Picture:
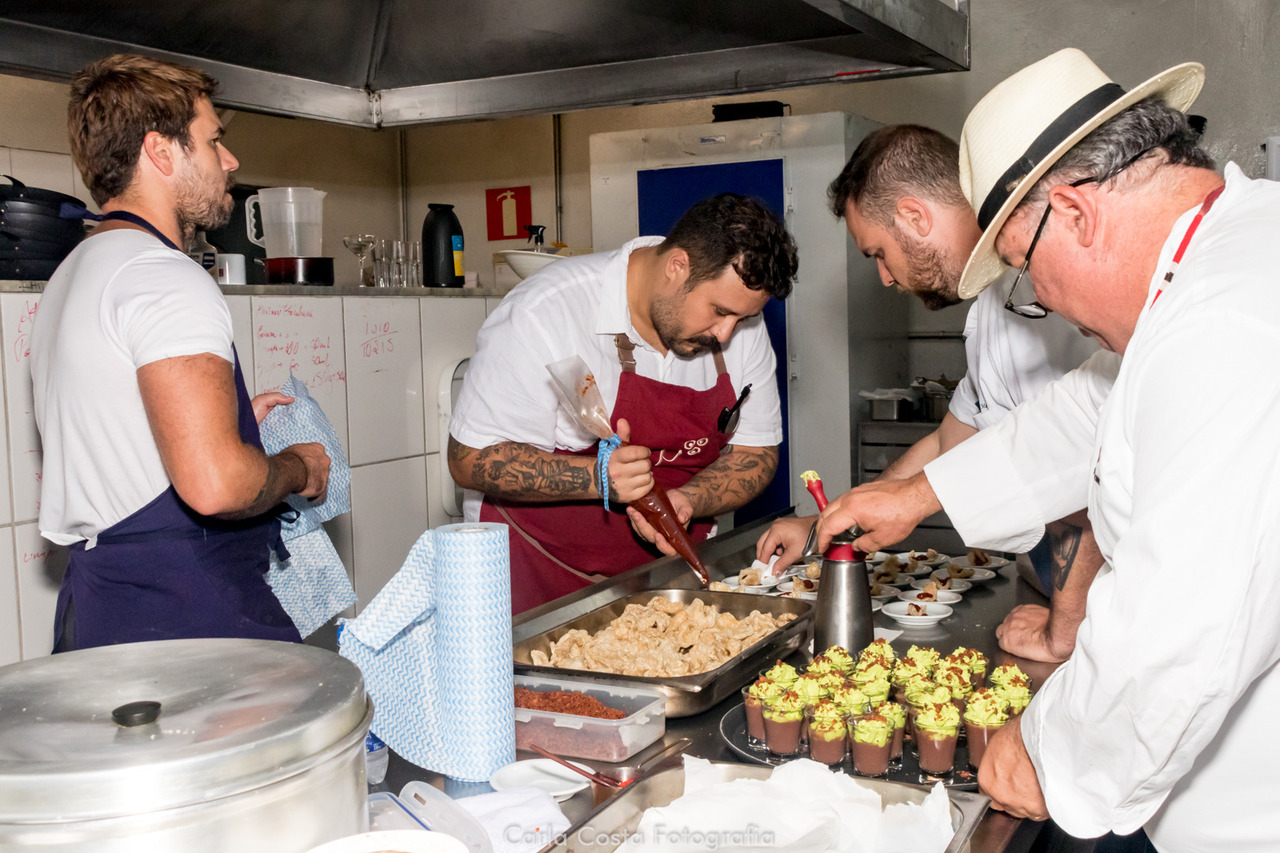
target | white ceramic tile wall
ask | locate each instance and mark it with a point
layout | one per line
(17, 313)
(304, 336)
(489, 304)
(40, 568)
(384, 378)
(45, 170)
(10, 643)
(449, 329)
(438, 480)
(6, 163)
(388, 514)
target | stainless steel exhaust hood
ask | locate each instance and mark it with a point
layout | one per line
(384, 63)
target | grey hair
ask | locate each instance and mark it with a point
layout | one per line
(1120, 142)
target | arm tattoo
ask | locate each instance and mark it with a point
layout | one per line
(272, 492)
(522, 472)
(1064, 541)
(732, 480)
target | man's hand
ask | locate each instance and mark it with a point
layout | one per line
(1026, 632)
(630, 472)
(264, 403)
(684, 512)
(1008, 777)
(786, 538)
(315, 463)
(886, 510)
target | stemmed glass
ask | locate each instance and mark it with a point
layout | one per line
(359, 244)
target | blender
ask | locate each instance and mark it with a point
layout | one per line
(291, 221)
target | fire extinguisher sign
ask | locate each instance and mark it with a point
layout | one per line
(508, 210)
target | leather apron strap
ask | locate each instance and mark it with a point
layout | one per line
(626, 355)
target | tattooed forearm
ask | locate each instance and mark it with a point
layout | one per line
(522, 472)
(1064, 539)
(736, 477)
(282, 472)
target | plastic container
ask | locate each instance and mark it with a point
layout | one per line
(590, 737)
(442, 246)
(441, 814)
(388, 813)
(291, 218)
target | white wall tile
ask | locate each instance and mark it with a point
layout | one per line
(388, 514)
(10, 644)
(41, 565)
(489, 304)
(384, 378)
(43, 169)
(449, 329)
(303, 335)
(438, 480)
(6, 164)
(80, 191)
(17, 313)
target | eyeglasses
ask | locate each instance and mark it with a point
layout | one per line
(727, 423)
(1034, 310)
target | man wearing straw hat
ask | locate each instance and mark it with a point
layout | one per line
(1162, 716)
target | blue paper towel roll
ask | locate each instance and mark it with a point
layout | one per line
(435, 650)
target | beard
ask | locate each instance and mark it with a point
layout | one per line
(934, 275)
(202, 206)
(665, 315)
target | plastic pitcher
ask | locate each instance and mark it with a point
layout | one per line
(291, 220)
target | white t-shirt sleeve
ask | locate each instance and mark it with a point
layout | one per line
(760, 423)
(964, 400)
(507, 394)
(155, 309)
(1041, 454)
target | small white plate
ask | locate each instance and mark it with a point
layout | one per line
(957, 585)
(789, 585)
(803, 596)
(877, 557)
(978, 576)
(903, 579)
(876, 604)
(992, 564)
(936, 561)
(560, 782)
(799, 568)
(889, 593)
(768, 583)
(897, 610)
(407, 840)
(944, 596)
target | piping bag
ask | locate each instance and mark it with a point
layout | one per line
(835, 551)
(578, 391)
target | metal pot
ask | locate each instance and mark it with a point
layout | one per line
(19, 190)
(191, 745)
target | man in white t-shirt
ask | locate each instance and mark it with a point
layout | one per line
(671, 330)
(900, 197)
(153, 474)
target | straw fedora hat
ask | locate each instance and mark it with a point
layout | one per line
(1025, 124)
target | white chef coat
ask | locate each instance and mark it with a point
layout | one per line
(120, 300)
(1011, 358)
(1165, 713)
(575, 307)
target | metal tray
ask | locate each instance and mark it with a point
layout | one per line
(687, 694)
(605, 828)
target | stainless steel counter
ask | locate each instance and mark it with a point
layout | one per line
(972, 624)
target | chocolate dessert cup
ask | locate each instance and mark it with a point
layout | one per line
(755, 719)
(783, 717)
(978, 737)
(937, 752)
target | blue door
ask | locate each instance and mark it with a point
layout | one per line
(664, 195)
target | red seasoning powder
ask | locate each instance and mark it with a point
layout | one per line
(565, 702)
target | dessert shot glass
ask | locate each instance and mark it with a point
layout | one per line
(754, 709)
(978, 738)
(827, 738)
(783, 717)
(897, 713)
(936, 748)
(870, 743)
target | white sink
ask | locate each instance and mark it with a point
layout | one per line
(525, 263)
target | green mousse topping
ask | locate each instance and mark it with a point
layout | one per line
(877, 691)
(839, 656)
(939, 719)
(910, 668)
(832, 680)
(926, 655)
(873, 729)
(894, 712)
(783, 673)
(810, 688)
(1017, 691)
(954, 678)
(872, 669)
(879, 648)
(826, 710)
(786, 707)
(1006, 672)
(823, 665)
(833, 728)
(849, 699)
(929, 693)
(986, 708)
(766, 688)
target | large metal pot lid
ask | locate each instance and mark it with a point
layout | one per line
(78, 739)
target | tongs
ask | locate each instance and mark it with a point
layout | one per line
(678, 746)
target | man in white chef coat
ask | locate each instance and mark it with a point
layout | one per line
(900, 197)
(1162, 716)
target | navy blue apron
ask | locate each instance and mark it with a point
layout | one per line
(167, 572)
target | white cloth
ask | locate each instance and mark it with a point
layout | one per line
(1010, 359)
(1163, 714)
(119, 301)
(575, 307)
(517, 820)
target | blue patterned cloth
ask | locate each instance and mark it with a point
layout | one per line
(312, 585)
(435, 650)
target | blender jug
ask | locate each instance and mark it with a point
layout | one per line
(291, 220)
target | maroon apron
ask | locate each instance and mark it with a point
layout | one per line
(557, 548)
